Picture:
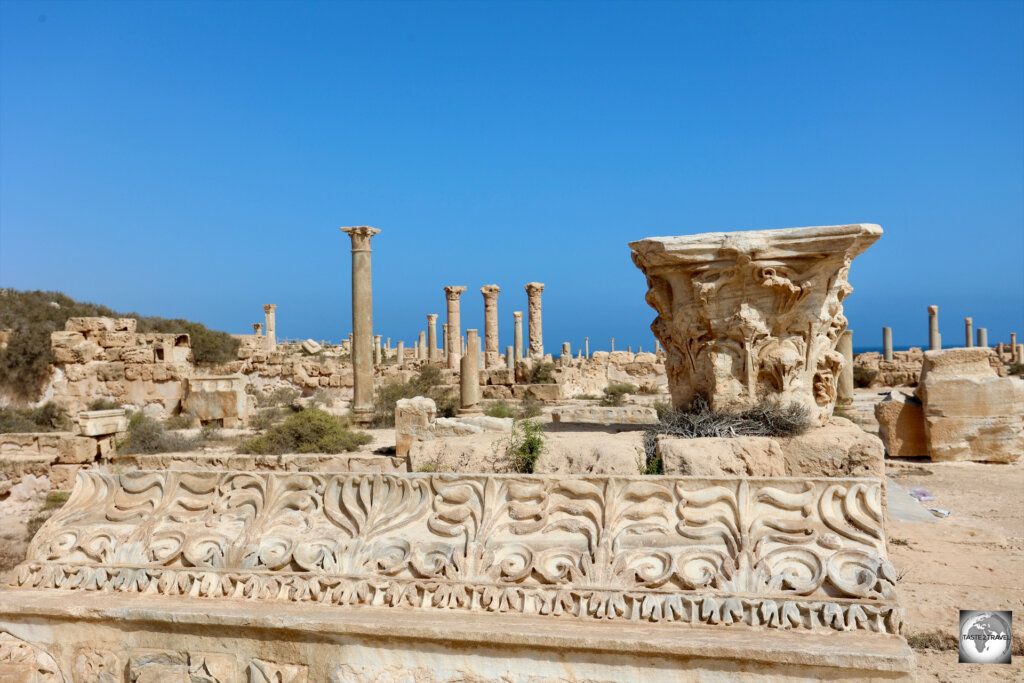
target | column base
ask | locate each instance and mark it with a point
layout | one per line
(470, 412)
(362, 416)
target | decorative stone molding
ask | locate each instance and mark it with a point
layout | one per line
(21, 661)
(749, 316)
(771, 552)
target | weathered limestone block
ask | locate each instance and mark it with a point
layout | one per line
(500, 376)
(591, 453)
(838, 449)
(748, 316)
(100, 324)
(901, 425)
(310, 346)
(476, 452)
(109, 339)
(970, 412)
(218, 399)
(546, 577)
(606, 415)
(545, 393)
(758, 456)
(102, 422)
(413, 420)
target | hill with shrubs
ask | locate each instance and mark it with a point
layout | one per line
(31, 316)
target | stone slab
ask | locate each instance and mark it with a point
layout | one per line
(605, 415)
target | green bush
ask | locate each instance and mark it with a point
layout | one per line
(308, 431)
(528, 407)
(104, 404)
(49, 417)
(542, 372)
(427, 383)
(524, 445)
(499, 409)
(863, 377)
(146, 435)
(615, 393)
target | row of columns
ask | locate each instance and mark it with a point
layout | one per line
(972, 337)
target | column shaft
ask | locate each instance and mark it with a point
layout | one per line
(362, 322)
(887, 343)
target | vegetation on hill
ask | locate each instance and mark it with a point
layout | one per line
(32, 316)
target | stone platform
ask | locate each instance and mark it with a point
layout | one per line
(261, 576)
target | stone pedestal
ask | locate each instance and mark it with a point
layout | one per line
(968, 332)
(491, 355)
(453, 333)
(270, 338)
(469, 376)
(887, 343)
(433, 353)
(750, 316)
(362, 322)
(533, 292)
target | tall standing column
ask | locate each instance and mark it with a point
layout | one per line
(453, 340)
(491, 355)
(533, 292)
(400, 353)
(586, 347)
(844, 391)
(510, 358)
(934, 340)
(378, 357)
(983, 337)
(566, 355)
(432, 351)
(362, 322)
(518, 315)
(1013, 348)
(444, 340)
(469, 376)
(270, 339)
(968, 332)
(422, 344)
(887, 343)
(612, 349)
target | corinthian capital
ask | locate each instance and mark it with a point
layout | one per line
(361, 235)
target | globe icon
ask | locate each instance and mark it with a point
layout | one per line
(985, 637)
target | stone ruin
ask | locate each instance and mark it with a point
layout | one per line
(756, 315)
(302, 576)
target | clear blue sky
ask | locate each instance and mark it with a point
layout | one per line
(197, 159)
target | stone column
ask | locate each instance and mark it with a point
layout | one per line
(586, 347)
(462, 343)
(491, 354)
(469, 376)
(983, 337)
(257, 329)
(518, 315)
(968, 332)
(362, 322)
(1019, 353)
(887, 343)
(535, 329)
(377, 351)
(844, 392)
(510, 358)
(934, 340)
(400, 353)
(444, 339)
(270, 339)
(1013, 348)
(657, 347)
(755, 315)
(453, 336)
(432, 353)
(612, 349)
(423, 354)
(566, 357)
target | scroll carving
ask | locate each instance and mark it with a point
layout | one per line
(779, 552)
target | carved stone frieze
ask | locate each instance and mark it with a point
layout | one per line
(22, 661)
(774, 552)
(756, 315)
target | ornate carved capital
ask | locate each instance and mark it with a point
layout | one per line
(453, 293)
(490, 293)
(534, 288)
(361, 235)
(518, 315)
(269, 308)
(750, 316)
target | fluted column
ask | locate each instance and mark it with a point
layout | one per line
(270, 339)
(362, 322)
(433, 354)
(491, 355)
(533, 292)
(454, 340)
(518, 315)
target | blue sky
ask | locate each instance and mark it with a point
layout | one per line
(197, 159)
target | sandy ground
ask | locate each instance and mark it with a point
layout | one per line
(973, 559)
